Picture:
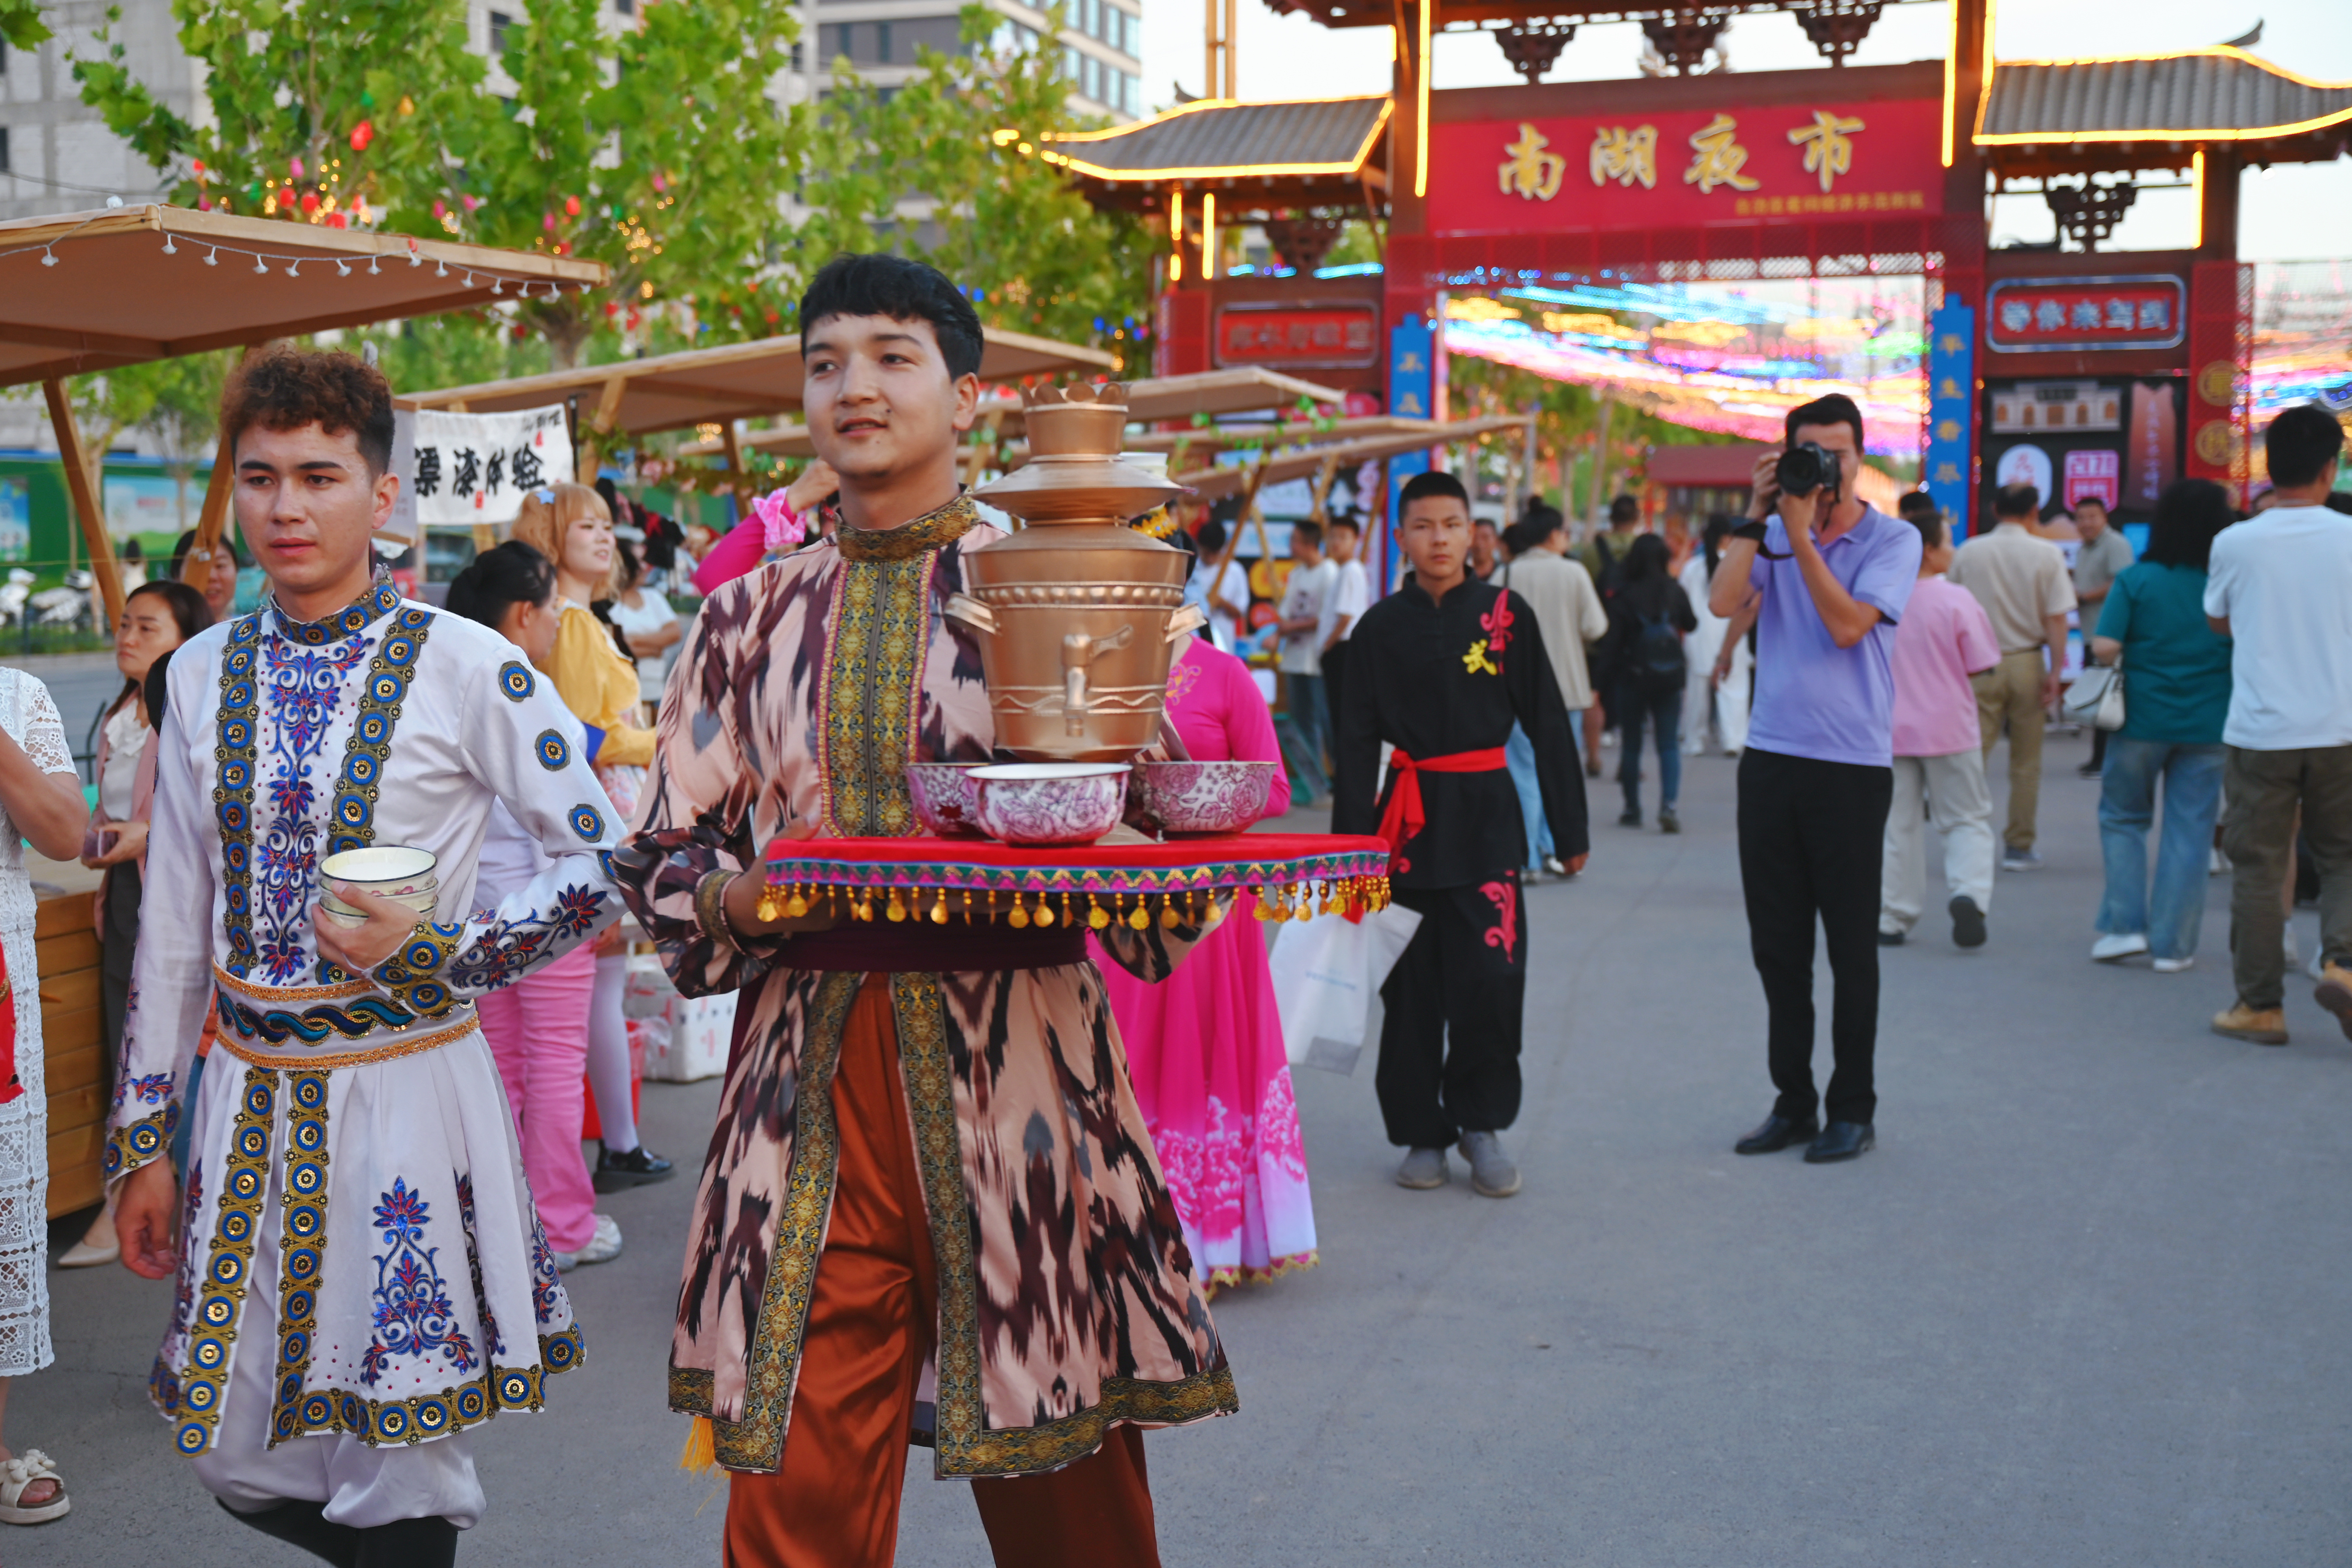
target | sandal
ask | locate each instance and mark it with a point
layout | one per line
(20, 1475)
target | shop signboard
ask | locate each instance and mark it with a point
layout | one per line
(1951, 406)
(2077, 315)
(1830, 162)
(1285, 337)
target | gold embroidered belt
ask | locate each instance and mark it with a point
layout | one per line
(322, 1026)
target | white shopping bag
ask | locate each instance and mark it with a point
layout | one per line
(1326, 974)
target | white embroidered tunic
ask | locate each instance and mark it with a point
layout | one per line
(354, 1206)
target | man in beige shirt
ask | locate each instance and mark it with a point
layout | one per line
(2022, 584)
(1568, 612)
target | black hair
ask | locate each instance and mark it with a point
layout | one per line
(189, 611)
(2090, 501)
(1433, 482)
(282, 387)
(1346, 520)
(1929, 521)
(188, 541)
(501, 578)
(1211, 536)
(1719, 525)
(878, 284)
(2188, 515)
(1646, 558)
(1915, 504)
(1308, 530)
(2300, 443)
(156, 690)
(1515, 539)
(2013, 503)
(1178, 540)
(1837, 409)
(1539, 523)
(1624, 509)
(632, 564)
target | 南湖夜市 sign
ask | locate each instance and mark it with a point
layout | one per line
(1829, 161)
(2031, 315)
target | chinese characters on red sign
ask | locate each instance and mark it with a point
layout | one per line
(1721, 166)
(2030, 314)
(1342, 336)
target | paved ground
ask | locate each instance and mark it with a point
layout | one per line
(2083, 1306)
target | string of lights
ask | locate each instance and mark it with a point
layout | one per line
(265, 261)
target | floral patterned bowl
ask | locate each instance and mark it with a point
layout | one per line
(946, 801)
(1203, 797)
(1051, 803)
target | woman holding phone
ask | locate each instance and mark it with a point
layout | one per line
(156, 618)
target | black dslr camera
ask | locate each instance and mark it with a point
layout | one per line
(1806, 469)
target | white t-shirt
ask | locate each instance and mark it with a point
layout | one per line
(653, 669)
(1302, 598)
(126, 737)
(2284, 582)
(1351, 594)
(1225, 627)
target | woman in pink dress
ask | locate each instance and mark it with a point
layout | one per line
(1204, 1047)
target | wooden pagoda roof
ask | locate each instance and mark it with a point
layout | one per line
(1306, 152)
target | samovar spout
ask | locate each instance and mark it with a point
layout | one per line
(1078, 651)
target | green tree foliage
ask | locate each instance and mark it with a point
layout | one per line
(947, 168)
(21, 25)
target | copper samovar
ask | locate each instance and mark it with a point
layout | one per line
(1078, 614)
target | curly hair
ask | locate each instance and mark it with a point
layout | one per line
(283, 388)
(543, 521)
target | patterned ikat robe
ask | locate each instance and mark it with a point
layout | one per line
(1066, 1299)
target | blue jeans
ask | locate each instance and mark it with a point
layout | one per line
(1665, 715)
(2192, 794)
(1520, 752)
(1310, 719)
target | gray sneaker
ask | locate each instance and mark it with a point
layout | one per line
(1422, 1169)
(1492, 1175)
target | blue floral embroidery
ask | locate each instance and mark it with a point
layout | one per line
(546, 1279)
(474, 1264)
(148, 1089)
(514, 681)
(587, 822)
(301, 691)
(576, 908)
(554, 753)
(414, 1316)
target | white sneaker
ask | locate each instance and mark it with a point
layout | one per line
(2217, 863)
(2294, 953)
(2117, 946)
(2174, 966)
(603, 1247)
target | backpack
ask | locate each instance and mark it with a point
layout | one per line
(1656, 660)
(1612, 575)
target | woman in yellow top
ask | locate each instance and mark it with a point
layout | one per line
(569, 525)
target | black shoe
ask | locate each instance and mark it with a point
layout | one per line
(303, 1525)
(1777, 1133)
(617, 1173)
(1968, 922)
(1841, 1141)
(409, 1544)
(1629, 819)
(2087, 771)
(1669, 822)
(1890, 939)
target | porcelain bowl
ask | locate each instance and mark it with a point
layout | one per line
(389, 868)
(946, 801)
(1051, 803)
(1203, 797)
(349, 915)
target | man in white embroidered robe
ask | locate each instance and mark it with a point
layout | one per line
(362, 1276)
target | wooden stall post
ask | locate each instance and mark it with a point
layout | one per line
(591, 455)
(78, 480)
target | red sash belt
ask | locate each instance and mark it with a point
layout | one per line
(1404, 819)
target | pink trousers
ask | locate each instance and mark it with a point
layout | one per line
(538, 1030)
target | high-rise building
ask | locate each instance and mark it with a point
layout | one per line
(56, 155)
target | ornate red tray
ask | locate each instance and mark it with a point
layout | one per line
(1295, 875)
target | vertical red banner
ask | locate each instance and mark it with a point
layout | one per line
(2219, 414)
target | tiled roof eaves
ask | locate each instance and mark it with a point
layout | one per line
(2204, 94)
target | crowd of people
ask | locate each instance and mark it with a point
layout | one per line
(925, 1132)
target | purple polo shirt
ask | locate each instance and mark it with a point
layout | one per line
(1814, 699)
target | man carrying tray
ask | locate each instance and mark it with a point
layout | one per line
(361, 1276)
(930, 1205)
(1440, 669)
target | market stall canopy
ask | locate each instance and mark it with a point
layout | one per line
(1215, 484)
(1315, 153)
(1149, 401)
(99, 290)
(718, 386)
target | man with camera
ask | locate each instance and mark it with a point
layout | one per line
(1829, 575)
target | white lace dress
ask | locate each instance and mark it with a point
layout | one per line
(31, 718)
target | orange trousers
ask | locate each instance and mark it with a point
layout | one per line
(872, 1318)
